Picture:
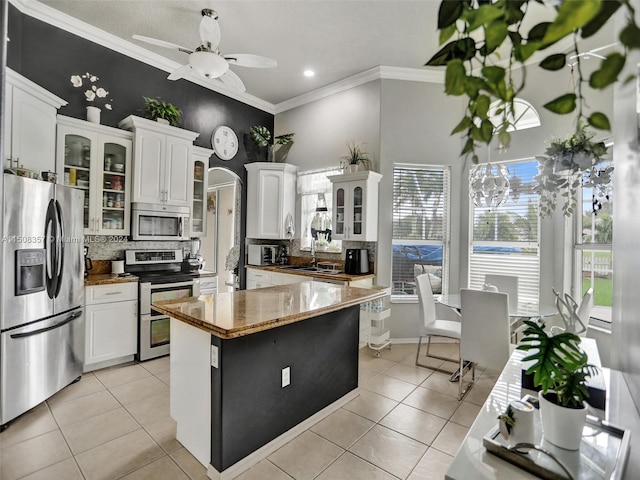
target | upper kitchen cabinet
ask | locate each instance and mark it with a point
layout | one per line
(162, 163)
(29, 124)
(271, 200)
(355, 206)
(97, 160)
(200, 164)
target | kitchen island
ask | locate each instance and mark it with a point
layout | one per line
(252, 369)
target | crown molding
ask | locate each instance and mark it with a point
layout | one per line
(375, 73)
(72, 25)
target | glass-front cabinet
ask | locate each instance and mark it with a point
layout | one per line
(355, 206)
(200, 160)
(97, 160)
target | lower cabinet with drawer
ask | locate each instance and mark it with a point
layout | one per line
(257, 278)
(111, 324)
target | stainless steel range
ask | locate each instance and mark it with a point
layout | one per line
(161, 278)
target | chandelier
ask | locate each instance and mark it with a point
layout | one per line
(489, 185)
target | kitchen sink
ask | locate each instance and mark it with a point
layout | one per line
(310, 269)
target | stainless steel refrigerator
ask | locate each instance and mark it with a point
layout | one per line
(42, 313)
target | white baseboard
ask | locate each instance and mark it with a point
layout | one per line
(107, 363)
(263, 452)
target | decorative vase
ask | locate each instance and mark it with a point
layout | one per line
(271, 153)
(93, 114)
(561, 426)
(164, 121)
(353, 167)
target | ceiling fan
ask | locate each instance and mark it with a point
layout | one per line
(207, 60)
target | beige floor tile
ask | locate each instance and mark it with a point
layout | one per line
(414, 423)
(305, 456)
(35, 422)
(64, 470)
(389, 387)
(389, 450)
(350, 467)
(32, 455)
(83, 408)
(450, 438)
(365, 375)
(375, 364)
(157, 365)
(188, 463)
(150, 410)
(432, 466)
(466, 414)
(164, 377)
(370, 405)
(407, 373)
(440, 383)
(112, 377)
(83, 436)
(139, 390)
(399, 352)
(119, 457)
(162, 469)
(432, 402)
(264, 470)
(342, 427)
(431, 363)
(164, 433)
(481, 389)
(88, 384)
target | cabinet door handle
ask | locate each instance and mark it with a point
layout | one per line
(113, 293)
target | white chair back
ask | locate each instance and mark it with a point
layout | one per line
(506, 284)
(425, 299)
(486, 332)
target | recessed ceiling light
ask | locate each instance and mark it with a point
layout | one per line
(309, 73)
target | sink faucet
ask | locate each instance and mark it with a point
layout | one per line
(314, 262)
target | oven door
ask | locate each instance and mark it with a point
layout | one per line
(153, 329)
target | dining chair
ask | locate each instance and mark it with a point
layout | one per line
(505, 284)
(485, 333)
(433, 327)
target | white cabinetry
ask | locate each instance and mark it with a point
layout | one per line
(162, 166)
(271, 200)
(257, 278)
(198, 192)
(111, 324)
(29, 123)
(355, 206)
(97, 160)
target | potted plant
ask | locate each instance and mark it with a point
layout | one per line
(357, 156)
(559, 367)
(261, 136)
(161, 111)
(569, 163)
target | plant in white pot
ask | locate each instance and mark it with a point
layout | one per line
(164, 112)
(561, 369)
(356, 157)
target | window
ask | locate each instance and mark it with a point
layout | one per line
(593, 252)
(505, 239)
(310, 184)
(420, 228)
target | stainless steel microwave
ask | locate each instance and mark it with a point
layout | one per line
(262, 254)
(159, 222)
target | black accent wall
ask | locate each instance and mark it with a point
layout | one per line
(49, 56)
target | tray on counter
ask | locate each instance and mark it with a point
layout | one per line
(602, 455)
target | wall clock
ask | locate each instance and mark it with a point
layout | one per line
(224, 142)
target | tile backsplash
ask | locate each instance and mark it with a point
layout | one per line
(105, 247)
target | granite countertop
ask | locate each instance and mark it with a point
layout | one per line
(234, 314)
(344, 277)
(107, 279)
(207, 273)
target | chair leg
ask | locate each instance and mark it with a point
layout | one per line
(428, 344)
(446, 359)
(418, 352)
(462, 391)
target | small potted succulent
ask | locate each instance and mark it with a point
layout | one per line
(161, 111)
(356, 157)
(559, 367)
(262, 137)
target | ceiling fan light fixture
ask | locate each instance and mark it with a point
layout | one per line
(209, 64)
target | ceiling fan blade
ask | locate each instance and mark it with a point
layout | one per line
(162, 43)
(209, 32)
(232, 80)
(250, 60)
(179, 72)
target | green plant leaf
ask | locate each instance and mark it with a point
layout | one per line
(486, 131)
(482, 106)
(504, 138)
(462, 126)
(473, 86)
(607, 9)
(446, 33)
(537, 33)
(571, 16)
(630, 36)
(449, 12)
(599, 120)
(608, 71)
(468, 146)
(463, 49)
(483, 15)
(494, 35)
(554, 62)
(564, 104)
(455, 78)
